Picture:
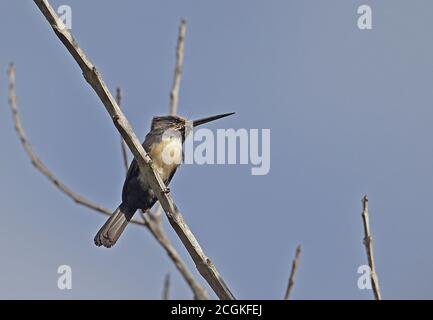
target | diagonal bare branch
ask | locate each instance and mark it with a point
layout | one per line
(122, 142)
(295, 264)
(92, 76)
(368, 242)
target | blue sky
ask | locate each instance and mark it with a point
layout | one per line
(349, 111)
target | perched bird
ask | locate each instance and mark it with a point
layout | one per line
(164, 145)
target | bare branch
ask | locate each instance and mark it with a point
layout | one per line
(37, 163)
(295, 264)
(166, 291)
(174, 94)
(92, 76)
(368, 242)
(122, 142)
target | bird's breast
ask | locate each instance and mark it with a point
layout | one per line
(166, 156)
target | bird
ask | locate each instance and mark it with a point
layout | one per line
(164, 145)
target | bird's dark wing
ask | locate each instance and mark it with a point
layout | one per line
(134, 170)
(132, 173)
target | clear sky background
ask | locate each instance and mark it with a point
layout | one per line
(350, 113)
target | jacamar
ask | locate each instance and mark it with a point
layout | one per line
(164, 145)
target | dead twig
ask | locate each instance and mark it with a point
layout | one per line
(122, 142)
(295, 264)
(368, 242)
(166, 291)
(37, 163)
(174, 94)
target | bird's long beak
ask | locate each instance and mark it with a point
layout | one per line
(198, 122)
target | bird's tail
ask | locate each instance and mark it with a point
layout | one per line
(113, 228)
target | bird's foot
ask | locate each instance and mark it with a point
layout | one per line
(166, 191)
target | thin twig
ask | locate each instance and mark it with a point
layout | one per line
(155, 229)
(368, 242)
(37, 163)
(166, 291)
(295, 264)
(122, 142)
(174, 94)
(92, 76)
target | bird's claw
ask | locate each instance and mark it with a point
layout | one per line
(166, 191)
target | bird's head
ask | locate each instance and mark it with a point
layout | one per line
(180, 124)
